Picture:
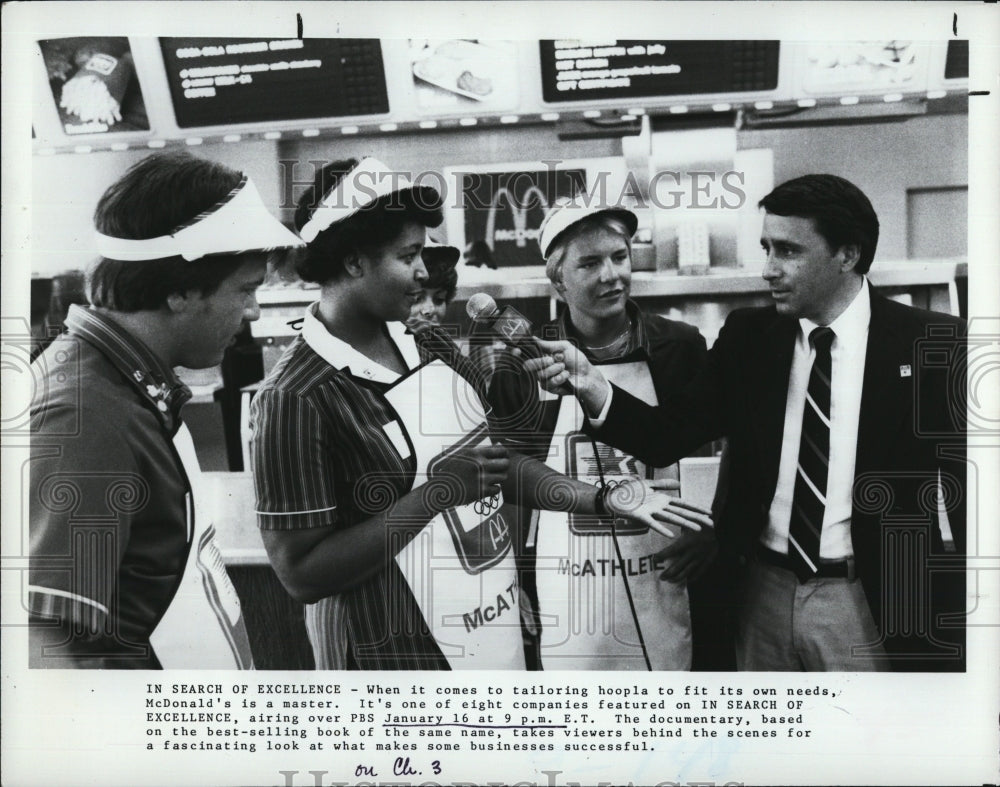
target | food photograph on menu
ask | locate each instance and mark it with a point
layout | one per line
(464, 74)
(94, 84)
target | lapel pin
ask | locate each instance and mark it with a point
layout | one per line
(905, 371)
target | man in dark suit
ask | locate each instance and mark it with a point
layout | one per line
(845, 417)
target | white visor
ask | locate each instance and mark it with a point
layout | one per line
(238, 223)
(566, 212)
(369, 181)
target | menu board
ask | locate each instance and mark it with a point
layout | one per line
(956, 63)
(224, 81)
(464, 75)
(839, 67)
(94, 85)
(578, 70)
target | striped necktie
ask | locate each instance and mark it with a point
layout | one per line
(809, 498)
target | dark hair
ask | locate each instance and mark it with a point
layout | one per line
(441, 274)
(372, 226)
(156, 197)
(842, 213)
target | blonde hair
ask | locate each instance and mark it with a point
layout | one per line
(557, 253)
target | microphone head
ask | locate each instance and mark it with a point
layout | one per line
(480, 306)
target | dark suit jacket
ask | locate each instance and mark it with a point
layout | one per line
(912, 425)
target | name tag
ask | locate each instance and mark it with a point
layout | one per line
(395, 434)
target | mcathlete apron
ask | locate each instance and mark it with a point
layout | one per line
(460, 567)
(203, 626)
(582, 595)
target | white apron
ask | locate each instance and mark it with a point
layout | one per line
(203, 626)
(582, 598)
(460, 567)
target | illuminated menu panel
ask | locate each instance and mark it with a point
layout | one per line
(242, 80)
(94, 85)
(956, 64)
(838, 68)
(578, 70)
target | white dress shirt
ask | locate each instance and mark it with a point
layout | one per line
(847, 356)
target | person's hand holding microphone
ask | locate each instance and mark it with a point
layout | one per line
(562, 365)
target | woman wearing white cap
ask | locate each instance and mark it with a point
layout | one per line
(379, 492)
(633, 618)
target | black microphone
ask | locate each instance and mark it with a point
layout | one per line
(509, 326)
(439, 344)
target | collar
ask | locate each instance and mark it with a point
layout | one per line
(851, 325)
(156, 382)
(340, 355)
(639, 338)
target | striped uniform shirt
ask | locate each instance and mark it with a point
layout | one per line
(108, 497)
(322, 457)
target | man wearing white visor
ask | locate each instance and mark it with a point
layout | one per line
(124, 570)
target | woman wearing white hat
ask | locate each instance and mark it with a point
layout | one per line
(379, 491)
(631, 618)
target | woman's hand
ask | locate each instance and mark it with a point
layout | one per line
(648, 503)
(561, 363)
(467, 475)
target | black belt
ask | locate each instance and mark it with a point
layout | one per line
(837, 568)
